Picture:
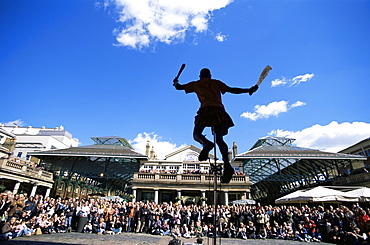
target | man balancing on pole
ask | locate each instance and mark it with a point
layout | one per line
(212, 114)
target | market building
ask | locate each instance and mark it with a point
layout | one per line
(180, 176)
(276, 167)
(48, 161)
(104, 168)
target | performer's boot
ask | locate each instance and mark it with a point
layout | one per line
(228, 173)
(207, 147)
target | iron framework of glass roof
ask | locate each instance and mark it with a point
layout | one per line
(111, 140)
(110, 161)
(275, 166)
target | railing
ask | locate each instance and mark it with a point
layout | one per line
(25, 170)
(352, 179)
(160, 177)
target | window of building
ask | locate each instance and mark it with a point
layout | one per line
(367, 152)
(188, 166)
(161, 167)
(191, 158)
(147, 196)
(167, 197)
(148, 167)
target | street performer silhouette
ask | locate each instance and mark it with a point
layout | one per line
(212, 114)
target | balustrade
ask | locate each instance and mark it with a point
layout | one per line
(184, 177)
(25, 170)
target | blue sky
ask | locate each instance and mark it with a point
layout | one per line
(102, 68)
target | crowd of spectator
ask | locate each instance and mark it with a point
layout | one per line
(25, 216)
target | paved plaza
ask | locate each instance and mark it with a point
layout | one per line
(132, 239)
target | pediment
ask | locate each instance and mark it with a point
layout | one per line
(188, 153)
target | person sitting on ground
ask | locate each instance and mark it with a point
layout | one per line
(301, 233)
(251, 230)
(156, 226)
(102, 226)
(356, 237)
(62, 226)
(165, 229)
(88, 228)
(242, 232)
(317, 237)
(175, 232)
(6, 230)
(21, 229)
(185, 231)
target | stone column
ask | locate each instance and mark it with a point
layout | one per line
(179, 194)
(33, 192)
(226, 197)
(16, 187)
(156, 195)
(47, 192)
(203, 194)
(134, 193)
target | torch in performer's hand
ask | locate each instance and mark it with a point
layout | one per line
(176, 79)
(262, 76)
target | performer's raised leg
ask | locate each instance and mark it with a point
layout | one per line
(199, 137)
(228, 169)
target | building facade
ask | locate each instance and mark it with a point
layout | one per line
(181, 177)
(21, 176)
(360, 174)
(30, 139)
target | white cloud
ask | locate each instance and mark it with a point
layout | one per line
(17, 122)
(294, 81)
(278, 82)
(302, 78)
(297, 104)
(221, 38)
(161, 148)
(331, 138)
(147, 21)
(273, 109)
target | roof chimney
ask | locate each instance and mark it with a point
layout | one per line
(152, 153)
(235, 149)
(147, 147)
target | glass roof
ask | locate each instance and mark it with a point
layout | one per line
(111, 140)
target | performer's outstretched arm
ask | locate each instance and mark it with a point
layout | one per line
(242, 90)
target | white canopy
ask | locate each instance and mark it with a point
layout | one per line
(316, 194)
(290, 198)
(362, 193)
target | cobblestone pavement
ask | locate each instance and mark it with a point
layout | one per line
(133, 239)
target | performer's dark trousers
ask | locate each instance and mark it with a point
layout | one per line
(199, 137)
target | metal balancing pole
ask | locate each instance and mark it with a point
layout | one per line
(215, 172)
